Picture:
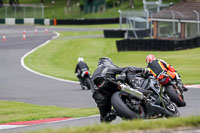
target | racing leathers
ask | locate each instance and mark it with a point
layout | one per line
(103, 98)
(80, 67)
(158, 66)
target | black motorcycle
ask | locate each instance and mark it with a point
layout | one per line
(146, 102)
(87, 82)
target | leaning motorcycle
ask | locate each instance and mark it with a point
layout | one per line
(87, 82)
(147, 102)
(173, 89)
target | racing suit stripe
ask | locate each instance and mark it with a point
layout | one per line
(152, 72)
(162, 66)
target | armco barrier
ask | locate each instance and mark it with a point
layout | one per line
(156, 44)
(114, 33)
(121, 33)
(87, 21)
(19, 21)
(13, 21)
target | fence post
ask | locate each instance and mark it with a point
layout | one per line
(5, 11)
(42, 11)
(15, 11)
(120, 19)
(173, 17)
(197, 20)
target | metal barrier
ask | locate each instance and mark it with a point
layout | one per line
(157, 44)
(22, 11)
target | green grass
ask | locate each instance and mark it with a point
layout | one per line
(81, 33)
(18, 111)
(132, 126)
(109, 26)
(59, 57)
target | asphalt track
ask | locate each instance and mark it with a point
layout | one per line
(18, 84)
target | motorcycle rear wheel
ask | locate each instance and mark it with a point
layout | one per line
(89, 83)
(122, 109)
(174, 96)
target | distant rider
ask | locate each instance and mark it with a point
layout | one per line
(157, 66)
(107, 69)
(80, 67)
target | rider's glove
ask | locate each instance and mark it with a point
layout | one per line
(121, 78)
(145, 72)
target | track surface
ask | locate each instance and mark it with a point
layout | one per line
(18, 84)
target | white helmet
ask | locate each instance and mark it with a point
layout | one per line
(80, 59)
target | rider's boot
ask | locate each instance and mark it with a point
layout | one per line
(180, 84)
(110, 116)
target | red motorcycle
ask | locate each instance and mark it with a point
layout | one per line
(172, 88)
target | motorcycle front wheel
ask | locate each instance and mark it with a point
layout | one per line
(174, 96)
(172, 110)
(120, 104)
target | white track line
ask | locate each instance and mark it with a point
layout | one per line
(10, 126)
(35, 72)
(2, 127)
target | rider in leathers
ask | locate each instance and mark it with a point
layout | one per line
(80, 67)
(157, 66)
(107, 69)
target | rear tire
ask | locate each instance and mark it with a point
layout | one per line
(122, 109)
(174, 97)
(89, 83)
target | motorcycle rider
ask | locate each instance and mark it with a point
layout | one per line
(80, 67)
(157, 66)
(107, 69)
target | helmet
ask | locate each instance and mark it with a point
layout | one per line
(105, 61)
(150, 58)
(80, 59)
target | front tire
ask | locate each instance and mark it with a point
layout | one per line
(174, 96)
(121, 108)
(172, 110)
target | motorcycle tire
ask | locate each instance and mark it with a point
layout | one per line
(174, 97)
(122, 109)
(88, 83)
(172, 110)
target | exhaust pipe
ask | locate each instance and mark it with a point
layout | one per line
(132, 91)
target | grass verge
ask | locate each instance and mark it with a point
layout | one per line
(18, 111)
(59, 57)
(132, 126)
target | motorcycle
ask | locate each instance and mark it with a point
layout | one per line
(172, 88)
(146, 102)
(87, 83)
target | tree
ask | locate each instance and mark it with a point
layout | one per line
(131, 3)
(1, 3)
(68, 5)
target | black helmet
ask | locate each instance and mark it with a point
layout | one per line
(105, 61)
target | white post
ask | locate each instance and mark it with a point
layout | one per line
(42, 11)
(197, 20)
(120, 19)
(147, 18)
(173, 16)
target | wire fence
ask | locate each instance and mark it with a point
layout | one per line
(22, 11)
(135, 20)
